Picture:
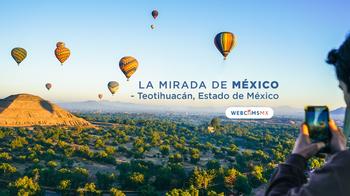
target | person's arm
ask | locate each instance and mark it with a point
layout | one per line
(288, 175)
(289, 178)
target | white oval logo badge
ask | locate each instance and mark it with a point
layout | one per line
(249, 112)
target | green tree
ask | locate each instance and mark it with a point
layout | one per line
(18, 142)
(52, 164)
(175, 158)
(233, 150)
(201, 178)
(25, 186)
(116, 192)
(213, 193)
(242, 184)
(195, 155)
(89, 189)
(164, 149)
(137, 179)
(64, 185)
(99, 143)
(230, 178)
(257, 176)
(213, 164)
(7, 169)
(215, 122)
(4, 156)
(105, 180)
(110, 150)
(181, 192)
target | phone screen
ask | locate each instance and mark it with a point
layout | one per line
(316, 118)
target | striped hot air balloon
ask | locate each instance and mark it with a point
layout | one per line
(128, 65)
(224, 42)
(62, 53)
(18, 54)
(113, 86)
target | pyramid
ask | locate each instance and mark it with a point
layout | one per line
(25, 110)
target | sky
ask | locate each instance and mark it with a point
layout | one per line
(286, 41)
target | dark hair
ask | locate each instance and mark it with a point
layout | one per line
(340, 58)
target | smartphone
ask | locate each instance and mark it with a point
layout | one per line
(316, 119)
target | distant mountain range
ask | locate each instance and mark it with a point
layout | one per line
(339, 111)
(109, 106)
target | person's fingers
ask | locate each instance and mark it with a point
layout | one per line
(314, 148)
(336, 131)
(319, 145)
(304, 134)
(304, 130)
(332, 126)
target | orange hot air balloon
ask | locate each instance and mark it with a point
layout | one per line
(48, 86)
(62, 53)
(128, 65)
(224, 42)
(100, 96)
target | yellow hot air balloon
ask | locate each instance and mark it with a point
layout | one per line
(18, 54)
(62, 53)
(224, 42)
(128, 65)
(113, 86)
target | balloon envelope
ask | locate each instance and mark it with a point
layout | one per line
(100, 96)
(128, 65)
(61, 52)
(224, 42)
(155, 14)
(18, 54)
(48, 86)
(113, 87)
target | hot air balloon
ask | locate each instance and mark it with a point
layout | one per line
(128, 65)
(155, 14)
(18, 54)
(62, 53)
(100, 95)
(224, 42)
(48, 86)
(113, 86)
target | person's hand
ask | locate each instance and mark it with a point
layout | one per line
(338, 141)
(303, 145)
